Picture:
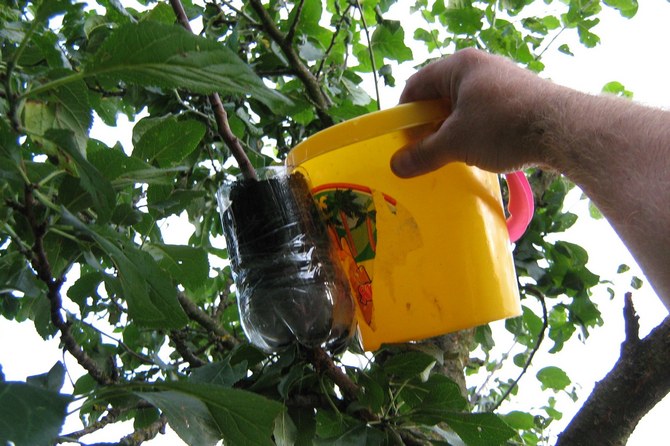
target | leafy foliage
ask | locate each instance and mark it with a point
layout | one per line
(100, 216)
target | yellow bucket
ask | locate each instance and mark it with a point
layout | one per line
(425, 256)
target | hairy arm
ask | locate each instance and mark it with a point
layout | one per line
(503, 117)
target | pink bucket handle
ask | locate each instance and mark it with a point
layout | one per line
(520, 205)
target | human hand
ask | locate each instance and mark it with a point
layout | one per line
(495, 114)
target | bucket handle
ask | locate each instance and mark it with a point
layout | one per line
(520, 205)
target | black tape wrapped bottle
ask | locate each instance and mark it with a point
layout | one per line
(290, 285)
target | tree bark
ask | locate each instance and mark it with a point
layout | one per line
(638, 381)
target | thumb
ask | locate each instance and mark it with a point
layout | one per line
(425, 155)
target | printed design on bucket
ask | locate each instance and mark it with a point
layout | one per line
(351, 218)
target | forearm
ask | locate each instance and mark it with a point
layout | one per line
(619, 154)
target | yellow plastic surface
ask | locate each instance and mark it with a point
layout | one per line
(435, 255)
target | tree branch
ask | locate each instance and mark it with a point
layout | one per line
(320, 100)
(196, 314)
(220, 114)
(291, 32)
(179, 337)
(371, 52)
(40, 264)
(111, 417)
(148, 433)
(338, 27)
(638, 381)
(322, 362)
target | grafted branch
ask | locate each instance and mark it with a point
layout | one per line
(638, 381)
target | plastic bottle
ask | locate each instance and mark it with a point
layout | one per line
(290, 286)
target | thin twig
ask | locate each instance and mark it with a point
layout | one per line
(198, 315)
(338, 28)
(111, 417)
(220, 114)
(312, 87)
(291, 32)
(372, 53)
(241, 13)
(179, 337)
(123, 345)
(536, 347)
(322, 362)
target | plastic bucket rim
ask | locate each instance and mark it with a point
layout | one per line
(366, 127)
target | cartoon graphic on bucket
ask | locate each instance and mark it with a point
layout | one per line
(351, 217)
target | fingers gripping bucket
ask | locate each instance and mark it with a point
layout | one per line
(424, 256)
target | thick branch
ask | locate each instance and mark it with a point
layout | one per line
(638, 381)
(311, 83)
(220, 114)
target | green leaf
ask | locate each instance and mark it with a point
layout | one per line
(618, 89)
(66, 107)
(520, 420)
(480, 429)
(285, 431)
(594, 212)
(407, 365)
(310, 52)
(112, 162)
(236, 416)
(52, 380)
(565, 49)
(466, 20)
(50, 8)
(305, 422)
(187, 265)
(388, 41)
(149, 291)
(553, 377)
(330, 424)
(627, 8)
(636, 283)
(586, 37)
(622, 268)
(150, 53)
(162, 13)
(532, 321)
(91, 180)
(29, 415)
(433, 399)
(169, 141)
(220, 373)
(188, 416)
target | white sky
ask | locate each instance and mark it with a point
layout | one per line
(632, 52)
